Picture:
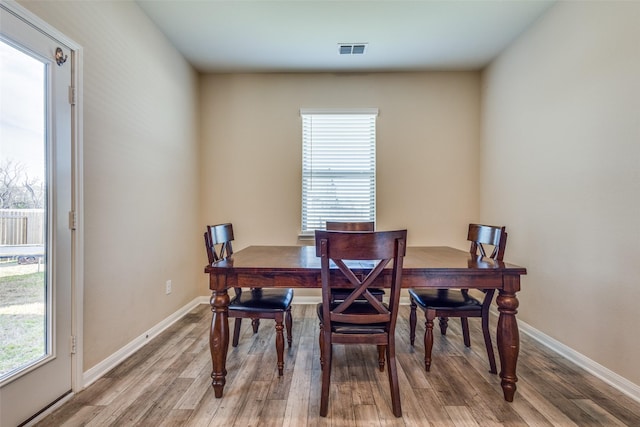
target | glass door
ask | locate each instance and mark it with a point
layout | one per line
(35, 235)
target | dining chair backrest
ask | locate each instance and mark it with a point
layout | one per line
(217, 240)
(350, 226)
(351, 249)
(480, 235)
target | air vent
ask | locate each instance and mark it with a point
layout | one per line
(352, 48)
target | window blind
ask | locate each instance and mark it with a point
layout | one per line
(338, 167)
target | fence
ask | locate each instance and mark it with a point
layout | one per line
(22, 227)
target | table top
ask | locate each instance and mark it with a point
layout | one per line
(418, 260)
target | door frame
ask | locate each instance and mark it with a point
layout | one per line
(76, 221)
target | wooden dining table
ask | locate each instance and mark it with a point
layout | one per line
(424, 267)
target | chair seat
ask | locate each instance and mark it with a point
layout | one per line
(354, 328)
(261, 300)
(443, 299)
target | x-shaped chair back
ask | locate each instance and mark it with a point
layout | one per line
(480, 235)
(217, 240)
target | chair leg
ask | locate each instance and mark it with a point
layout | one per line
(289, 324)
(326, 374)
(255, 323)
(487, 343)
(428, 337)
(280, 344)
(412, 322)
(444, 323)
(236, 331)
(381, 351)
(321, 343)
(393, 378)
(465, 331)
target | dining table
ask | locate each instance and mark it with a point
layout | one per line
(424, 267)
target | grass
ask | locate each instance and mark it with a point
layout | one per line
(22, 320)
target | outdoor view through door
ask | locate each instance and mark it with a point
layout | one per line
(24, 325)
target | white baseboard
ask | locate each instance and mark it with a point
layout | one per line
(96, 372)
(309, 299)
(618, 382)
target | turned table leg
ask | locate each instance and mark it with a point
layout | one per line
(219, 339)
(508, 335)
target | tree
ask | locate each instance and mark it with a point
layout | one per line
(17, 190)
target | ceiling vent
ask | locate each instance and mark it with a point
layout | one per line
(352, 48)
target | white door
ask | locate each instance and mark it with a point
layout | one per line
(36, 164)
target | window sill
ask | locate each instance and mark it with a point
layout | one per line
(306, 237)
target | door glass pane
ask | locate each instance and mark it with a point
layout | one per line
(24, 294)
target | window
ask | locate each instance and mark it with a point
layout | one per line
(338, 167)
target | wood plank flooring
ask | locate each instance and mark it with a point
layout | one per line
(167, 383)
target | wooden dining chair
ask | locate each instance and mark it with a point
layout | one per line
(361, 257)
(256, 303)
(445, 303)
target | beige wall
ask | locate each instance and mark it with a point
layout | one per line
(427, 150)
(561, 168)
(141, 185)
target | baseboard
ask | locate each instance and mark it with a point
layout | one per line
(618, 382)
(309, 299)
(98, 371)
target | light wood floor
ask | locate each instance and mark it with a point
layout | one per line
(167, 383)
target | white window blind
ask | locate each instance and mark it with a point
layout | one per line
(338, 167)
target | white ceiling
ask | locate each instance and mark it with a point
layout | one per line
(303, 35)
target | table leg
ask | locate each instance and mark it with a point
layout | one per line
(508, 337)
(428, 338)
(219, 339)
(280, 344)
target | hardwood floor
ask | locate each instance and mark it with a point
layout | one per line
(167, 383)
